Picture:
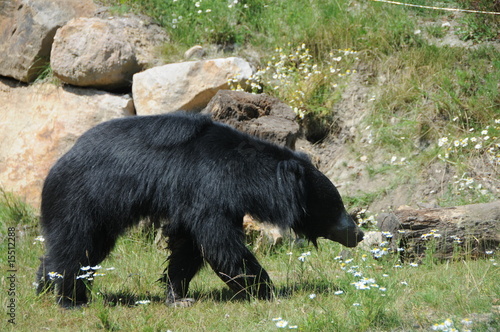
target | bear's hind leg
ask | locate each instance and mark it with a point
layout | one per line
(184, 262)
(67, 252)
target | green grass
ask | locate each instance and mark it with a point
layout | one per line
(317, 294)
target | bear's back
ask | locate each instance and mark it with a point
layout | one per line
(163, 130)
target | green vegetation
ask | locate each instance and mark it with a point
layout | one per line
(309, 52)
(329, 289)
(426, 104)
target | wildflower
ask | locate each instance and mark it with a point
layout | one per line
(489, 252)
(85, 268)
(39, 238)
(356, 304)
(281, 324)
(413, 264)
(447, 325)
(388, 235)
(360, 285)
(97, 267)
(54, 275)
(339, 292)
(442, 141)
(478, 146)
(466, 322)
(293, 327)
(303, 256)
(312, 296)
(382, 289)
(404, 283)
(87, 276)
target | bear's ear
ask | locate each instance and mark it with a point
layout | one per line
(291, 184)
(290, 171)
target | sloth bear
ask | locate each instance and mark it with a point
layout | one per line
(200, 176)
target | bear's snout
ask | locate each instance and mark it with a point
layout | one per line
(346, 232)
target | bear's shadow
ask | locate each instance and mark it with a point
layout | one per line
(129, 298)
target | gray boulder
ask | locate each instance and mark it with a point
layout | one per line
(104, 53)
(27, 29)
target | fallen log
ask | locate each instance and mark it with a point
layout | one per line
(470, 230)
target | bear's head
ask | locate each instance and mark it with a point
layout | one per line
(325, 214)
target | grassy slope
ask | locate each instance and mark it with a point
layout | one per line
(422, 93)
(417, 90)
(405, 298)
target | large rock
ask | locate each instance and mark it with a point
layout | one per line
(41, 122)
(259, 115)
(187, 86)
(27, 29)
(103, 53)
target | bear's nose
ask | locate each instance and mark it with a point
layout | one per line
(359, 235)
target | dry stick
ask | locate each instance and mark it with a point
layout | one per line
(438, 8)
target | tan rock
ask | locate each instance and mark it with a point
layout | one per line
(187, 86)
(41, 122)
(27, 29)
(94, 52)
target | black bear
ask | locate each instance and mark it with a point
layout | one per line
(200, 176)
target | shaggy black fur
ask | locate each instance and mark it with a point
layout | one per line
(202, 177)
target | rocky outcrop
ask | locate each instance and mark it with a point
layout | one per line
(93, 52)
(259, 115)
(43, 121)
(40, 122)
(27, 29)
(187, 86)
(103, 53)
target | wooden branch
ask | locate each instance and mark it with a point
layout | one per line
(469, 229)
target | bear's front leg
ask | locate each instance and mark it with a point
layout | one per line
(184, 262)
(246, 277)
(223, 248)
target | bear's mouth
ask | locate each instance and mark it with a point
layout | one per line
(348, 238)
